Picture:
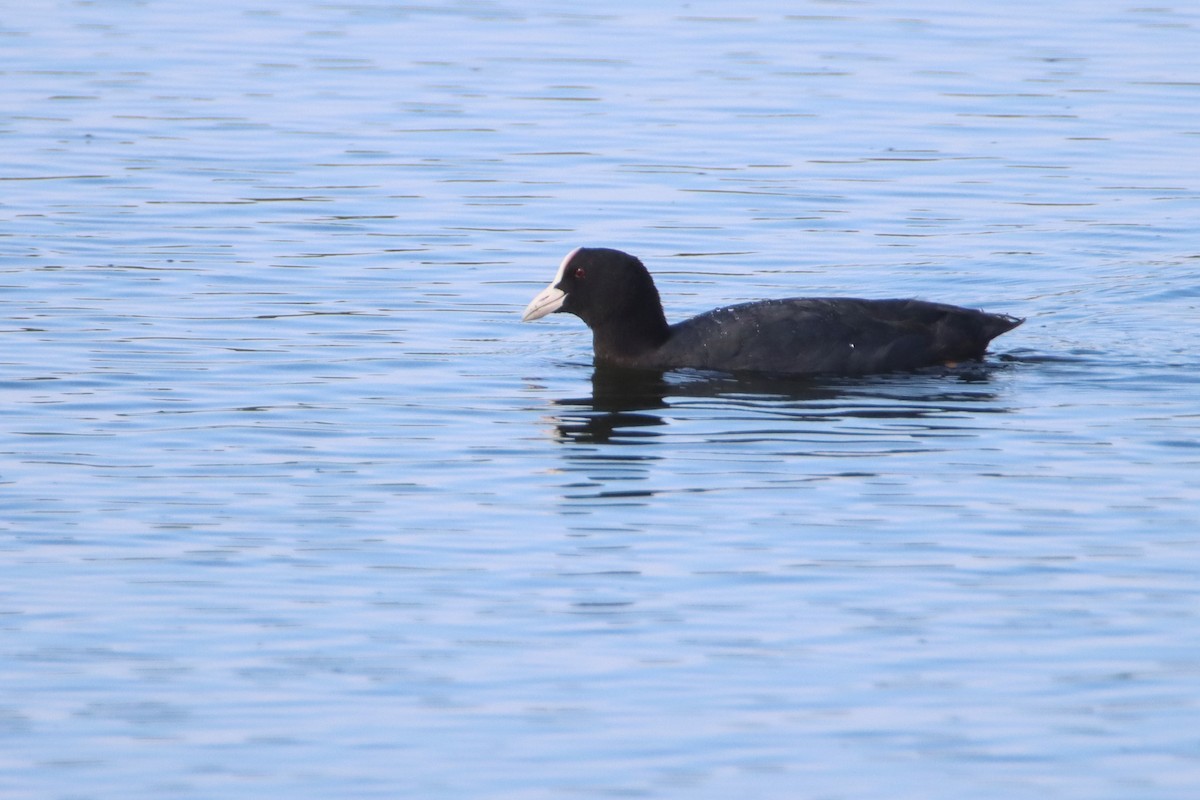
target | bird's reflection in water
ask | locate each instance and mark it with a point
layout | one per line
(621, 407)
(631, 406)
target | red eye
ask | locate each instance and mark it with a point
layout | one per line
(580, 273)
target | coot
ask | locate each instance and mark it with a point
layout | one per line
(614, 294)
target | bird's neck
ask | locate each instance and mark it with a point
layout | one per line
(625, 340)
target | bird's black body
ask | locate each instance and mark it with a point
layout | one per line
(614, 294)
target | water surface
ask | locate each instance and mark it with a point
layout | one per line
(294, 506)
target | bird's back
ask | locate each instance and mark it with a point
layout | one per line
(830, 335)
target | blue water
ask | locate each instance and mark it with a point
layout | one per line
(294, 506)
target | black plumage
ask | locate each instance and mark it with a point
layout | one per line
(614, 294)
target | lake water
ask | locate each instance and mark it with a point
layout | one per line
(293, 506)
